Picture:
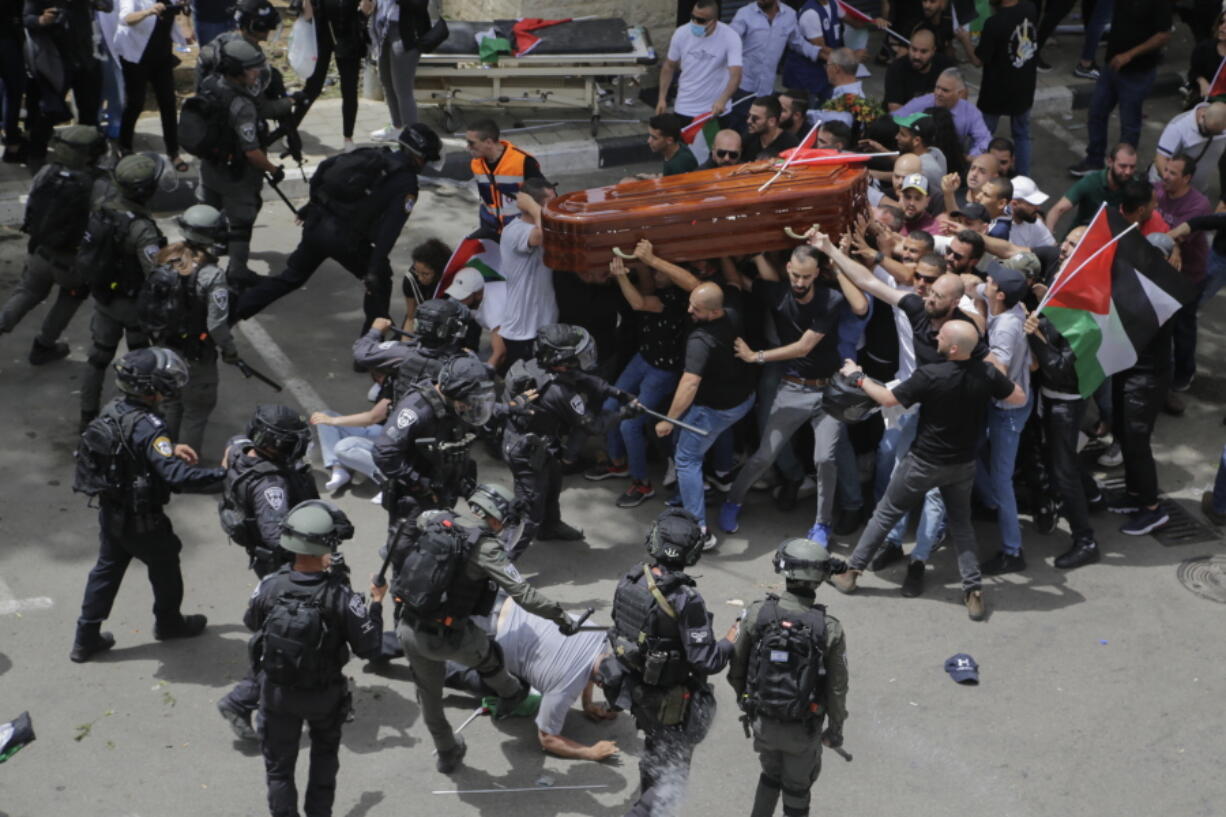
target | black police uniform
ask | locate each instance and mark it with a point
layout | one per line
(358, 238)
(666, 654)
(136, 526)
(534, 438)
(321, 701)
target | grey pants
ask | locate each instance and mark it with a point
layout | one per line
(397, 74)
(107, 328)
(794, 406)
(791, 758)
(428, 654)
(41, 273)
(238, 199)
(187, 415)
(911, 480)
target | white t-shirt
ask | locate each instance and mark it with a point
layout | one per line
(1035, 234)
(1181, 135)
(530, 301)
(704, 65)
(555, 665)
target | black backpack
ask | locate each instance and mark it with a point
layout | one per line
(101, 259)
(430, 568)
(351, 177)
(105, 463)
(57, 210)
(204, 128)
(291, 647)
(786, 679)
(169, 310)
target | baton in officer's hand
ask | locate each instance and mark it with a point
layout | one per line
(702, 432)
(249, 373)
(268, 177)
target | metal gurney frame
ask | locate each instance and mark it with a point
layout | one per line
(451, 81)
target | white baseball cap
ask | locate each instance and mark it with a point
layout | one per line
(466, 282)
(1025, 189)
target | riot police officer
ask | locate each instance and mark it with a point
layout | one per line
(128, 462)
(57, 209)
(422, 453)
(359, 204)
(435, 619)
(785, 701)
(436, 339)
(663, 642)
(117, 252)
(233, 186)
(567, 398)
(306, 620)
(266, 476)
(194, 311)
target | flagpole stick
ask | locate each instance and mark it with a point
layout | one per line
(1082, 266)
(843, 158)
(788, 162)
(1060, 273)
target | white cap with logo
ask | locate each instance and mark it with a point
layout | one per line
(467, 282)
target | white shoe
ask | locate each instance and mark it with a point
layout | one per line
(387, 134)
(709, 542)
(348, 146)
(807, 488)
(377, 499)
(340, 478)
(670, 474)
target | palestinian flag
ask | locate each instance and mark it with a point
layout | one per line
(1116, 293)
(479, 251)
(15, 736)
(849, 12)
(700, 136)
(525, 41)
(1217, 88)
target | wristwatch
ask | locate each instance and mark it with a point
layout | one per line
(857, 379)
(761, 358)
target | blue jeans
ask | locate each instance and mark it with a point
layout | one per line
(1216, 277)
(995, 474)
(628, 439)
(848, 484)
(1094, 28)
(692, 449)
(350, 446)
(1128, 89)
(1219, 486)
(1019, 127)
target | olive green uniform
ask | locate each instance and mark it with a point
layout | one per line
(429, 646)
(791, 752)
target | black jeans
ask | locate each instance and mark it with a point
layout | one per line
(159, 73)
(1062, 423)
(45, 108)
(283, 711)
(1185, 329)
(348, 67)
(121, 540)
(1136, 398)
(13, 75)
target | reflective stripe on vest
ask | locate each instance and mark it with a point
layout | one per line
(498, 189)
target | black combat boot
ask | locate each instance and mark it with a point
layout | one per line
(186, 627)
(90, 641)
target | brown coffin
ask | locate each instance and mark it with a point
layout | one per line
(704, 214)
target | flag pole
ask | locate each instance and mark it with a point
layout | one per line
(701, 119)
(1065, 279)
(843, 158)
(788, 162)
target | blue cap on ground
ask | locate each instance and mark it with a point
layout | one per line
(962, 668)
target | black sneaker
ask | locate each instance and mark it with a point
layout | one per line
(913, 585)
(636, 494)
(240, 722)
(606, 470)
(1090, 71)
(89, 645)
(1083, 552)
(1145, 521)
(885, 557)
(41, 355)
(1042, 65)
(1125, 504)
(1003, 563)
(450, 760)
(1083, 168)
(1096, 503)
(186, 627)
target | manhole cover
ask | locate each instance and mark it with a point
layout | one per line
(1205, 576)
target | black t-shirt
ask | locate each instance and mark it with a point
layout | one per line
(954, 396)
(754, 149)
(903, 83)
(925, 334)
(1204, 62)
(1134, 22)
(1010, 63)
(158, 48)
(727, 381)
(793, 319)
(595, 307)
(662, 334)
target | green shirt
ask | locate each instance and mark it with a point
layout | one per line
(1089, 192)
(683, 161)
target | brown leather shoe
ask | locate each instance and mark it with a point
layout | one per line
(845, 582)
(974, 605)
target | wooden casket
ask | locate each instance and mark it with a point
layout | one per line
(704, 214)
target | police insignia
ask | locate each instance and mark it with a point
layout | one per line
(247, 132)
(357, 606)
(163, 446)
(221, 297)
(406, 418)
(275, 497)
(576, 403)
(387, 344)
(513, 572)
(698, 636)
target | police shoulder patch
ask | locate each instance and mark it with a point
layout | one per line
(357, 606)
(406, 418)
(577, 405)
(163, 446)
(512, 571)
(699, 636)
(275, 497)
(221, 298)
(387, 344)
(247, 132)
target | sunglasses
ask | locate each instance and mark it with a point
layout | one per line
(702, 21)
(728, 154)
(928, 279)
(952, 253)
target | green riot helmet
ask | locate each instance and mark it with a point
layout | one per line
(439, 322)
(469, 385)
(562, 345)
(204, 228)
(490, 500)
(77, 146)
(675, 538)
(802, 560)
(146, 372)
(237, 56)
(315, 528)
(141, 175)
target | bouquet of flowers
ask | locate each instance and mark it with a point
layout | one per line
(862, 109)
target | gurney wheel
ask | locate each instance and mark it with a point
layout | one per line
(449, 121)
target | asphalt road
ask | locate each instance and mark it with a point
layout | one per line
(1101, 689)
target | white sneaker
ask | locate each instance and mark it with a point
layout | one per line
(1112, 457)
(807, 488)
(340, 478)
(377, 499)
(670, 474)
(387, 134)
(709, 542)
(348, 146)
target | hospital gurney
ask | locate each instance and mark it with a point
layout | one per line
(561, 72)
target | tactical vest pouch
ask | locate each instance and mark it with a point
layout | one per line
(661, 707)
(289, 648)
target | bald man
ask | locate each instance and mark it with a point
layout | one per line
(1199, 133)
(725, 150)
(916, 73)
(716, 390)
(953, 397)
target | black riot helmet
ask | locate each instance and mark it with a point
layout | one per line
(258, 16)
(562, 345)
(421, 141)
(279, 431)
(845, 402)
(469, 385)
(239, 55)
(675, 538)
(155, 370)
(439, 322)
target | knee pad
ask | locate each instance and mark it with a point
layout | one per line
(769, 782)
(101, 356)
(493, 662)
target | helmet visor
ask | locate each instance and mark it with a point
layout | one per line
(587, 354)
(171, 374)
(167, 177)
(477, 407)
